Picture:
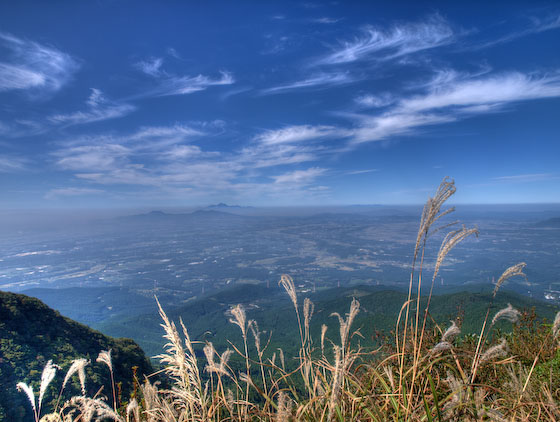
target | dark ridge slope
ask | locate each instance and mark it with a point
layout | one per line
(31, 333)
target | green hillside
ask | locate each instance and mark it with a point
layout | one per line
(208, 319)
(31, 334)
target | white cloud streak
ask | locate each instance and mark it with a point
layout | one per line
(491, 91)
(34, 67)
(12, 164)
(384, 44)
(170, 84)
(362, 171)
(167, 157)
(298, 133)
(316, 81)
(455, 97)
(181, 85)
(164, 158)
(526, 178)
(325, 20)
(375, 101)
(299, 177)
(99, 108)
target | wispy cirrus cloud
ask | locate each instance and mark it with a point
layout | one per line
(526, 178)
(325, 20)
(33, 67)
(298, 133)
(158, 137)
(315, 81)
(383, 44)
(99, 108)
(492, 91)
(378, 128)
(22, 127)
(151, 67)
(166, 159)
(375, 101)
(373, 44)
(261, 156)
(455, 97)
(171, 84)
(299, 177)
(169, 158)
(12, 164)
(95, 158)
(289, 145)
(109, 152)
(353, 172)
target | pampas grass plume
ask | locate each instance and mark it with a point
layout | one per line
(28, 390)
(452, 332)
(78, 365)
(494, 352)
(509, 313)
(48, 375)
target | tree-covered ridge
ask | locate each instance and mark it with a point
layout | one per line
(31, 334)
(208, 318)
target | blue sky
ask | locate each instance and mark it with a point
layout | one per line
(136, 103)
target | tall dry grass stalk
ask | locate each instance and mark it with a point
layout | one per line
(181, 365)
(105, 357)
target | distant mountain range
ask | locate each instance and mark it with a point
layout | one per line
(222, 206)
(199, 216)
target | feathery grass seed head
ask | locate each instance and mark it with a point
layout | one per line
(512, 271)
(509, 313)
(451, 240)
(209, 353)
(28, 390)
(256, 334)
(239, 318)
(324, 329)
(494, 352)
(78, 365)
(308, 308)
(452, 332)
(105, 357)
(49, 371)
(346, 323)
(441, 347)
(288, 284)
(432, 210)
(133, 408)
(284, 408)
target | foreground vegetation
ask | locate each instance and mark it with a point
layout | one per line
(420, 372)
(31, 334)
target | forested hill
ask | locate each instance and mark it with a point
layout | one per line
(207, 318)
(31, 334)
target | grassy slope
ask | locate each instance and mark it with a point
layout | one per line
(31, 333)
